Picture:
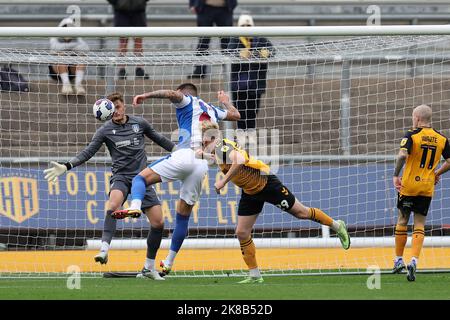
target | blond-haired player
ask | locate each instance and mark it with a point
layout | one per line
(258, 185)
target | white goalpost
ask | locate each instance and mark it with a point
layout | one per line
(337, 104)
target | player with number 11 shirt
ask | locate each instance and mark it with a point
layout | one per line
(420, 152)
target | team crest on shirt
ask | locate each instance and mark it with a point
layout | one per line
(135, 128)
(403, 142)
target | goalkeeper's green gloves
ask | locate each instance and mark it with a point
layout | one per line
(51, 174)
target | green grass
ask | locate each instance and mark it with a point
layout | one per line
(426, 286)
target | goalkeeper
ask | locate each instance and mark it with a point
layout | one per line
(258, 186)
(124, 138)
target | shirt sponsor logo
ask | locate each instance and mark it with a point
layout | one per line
(123, 143)
(403, 142)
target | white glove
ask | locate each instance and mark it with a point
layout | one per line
(52, 173)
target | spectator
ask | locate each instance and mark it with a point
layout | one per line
(68, 73)
(210, 12)
(130, 13)
(248, 79)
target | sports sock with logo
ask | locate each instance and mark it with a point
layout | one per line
(417, 241)
(248, 250)
(401, 235)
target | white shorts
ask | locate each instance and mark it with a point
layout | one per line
(182, 166)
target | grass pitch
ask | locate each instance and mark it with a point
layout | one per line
(426, 286)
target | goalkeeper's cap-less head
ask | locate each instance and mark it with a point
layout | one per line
(246, 20)
(115, 96)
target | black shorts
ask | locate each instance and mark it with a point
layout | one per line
(55, 76)
(418, 204)
(130, 19)
(274, 192)
(123, 183)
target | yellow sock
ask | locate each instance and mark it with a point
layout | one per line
(248, 250)
(319, 216)
(401, 235)
(417, 241)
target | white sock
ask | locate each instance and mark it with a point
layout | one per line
(135, 204)
(415, 260)
(105, 246)
(254, 273)
(398, 258)
(335, 226)
(170, 258)
(79, 75)
(64, 77)
(149, 264)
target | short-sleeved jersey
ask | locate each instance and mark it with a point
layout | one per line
(190, 112)
(425, 147)
(251, 177)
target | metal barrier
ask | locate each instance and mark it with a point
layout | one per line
(264, 11)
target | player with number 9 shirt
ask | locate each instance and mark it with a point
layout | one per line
(258, 185)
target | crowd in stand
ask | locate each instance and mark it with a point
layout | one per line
(248, 79)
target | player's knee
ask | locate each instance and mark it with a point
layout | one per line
(402, 223)
(403, 220)
(148, 177)
(418, 225)
(139, 179)
(155, 216)
(113, 206)
(300, 211)
(242, 234)
(157, 224)
(156, 221)
(184, 208)
(303, 212)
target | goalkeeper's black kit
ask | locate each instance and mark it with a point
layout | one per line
(126, 145)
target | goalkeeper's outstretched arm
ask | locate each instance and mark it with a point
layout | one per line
(57, 169)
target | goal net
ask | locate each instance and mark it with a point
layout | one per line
(329, 123)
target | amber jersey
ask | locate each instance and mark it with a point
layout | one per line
(425, 147)
(252, 176)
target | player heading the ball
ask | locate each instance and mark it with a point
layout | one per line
(181, 165)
